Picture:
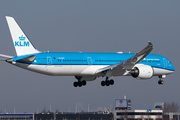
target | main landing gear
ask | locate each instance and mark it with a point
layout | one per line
(107, 82)
(160, 82)
(79, 83)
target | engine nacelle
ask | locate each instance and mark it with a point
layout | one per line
(142, 71)
(86, 78)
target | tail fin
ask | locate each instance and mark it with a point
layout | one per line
(21, 43)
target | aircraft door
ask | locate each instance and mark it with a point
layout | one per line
(49, 61)
(165, 62)
(89, 59)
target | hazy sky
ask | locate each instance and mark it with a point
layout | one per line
(89, 26)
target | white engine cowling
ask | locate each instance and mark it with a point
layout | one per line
(142, 71)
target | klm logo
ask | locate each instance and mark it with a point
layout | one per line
(22, 42)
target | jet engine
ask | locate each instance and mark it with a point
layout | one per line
(142, 72)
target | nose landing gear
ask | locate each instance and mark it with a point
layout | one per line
(160, 82)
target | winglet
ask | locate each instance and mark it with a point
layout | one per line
(150, 44)
(143, 53)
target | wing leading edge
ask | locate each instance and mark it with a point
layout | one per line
(129, 63)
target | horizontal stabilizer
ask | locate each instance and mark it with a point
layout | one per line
(2, 60)
(6, 56)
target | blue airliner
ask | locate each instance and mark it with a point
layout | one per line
(86, 66)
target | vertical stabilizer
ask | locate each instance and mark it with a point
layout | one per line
(21, 43)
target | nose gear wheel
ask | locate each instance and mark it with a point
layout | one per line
(160, 82)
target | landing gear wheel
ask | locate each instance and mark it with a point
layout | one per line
(103, 83)
(107, 82)
(112, 82)
(75, 84)
(160, 82)
(83, 82)
(79, 83)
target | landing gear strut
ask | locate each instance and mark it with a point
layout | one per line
(160, 82)
(79, 83)
(107, 82)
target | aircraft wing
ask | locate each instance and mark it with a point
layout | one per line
(129, 63)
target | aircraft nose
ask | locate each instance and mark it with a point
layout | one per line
(173, 69)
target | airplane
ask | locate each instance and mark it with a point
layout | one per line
(83, 65)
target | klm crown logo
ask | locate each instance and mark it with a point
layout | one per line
(22, 42)
(22, 38)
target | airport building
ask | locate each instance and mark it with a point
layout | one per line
(75, 116)
(138, 114)
(17, 116)
(122, 111)
(122, 104)
(114, 115)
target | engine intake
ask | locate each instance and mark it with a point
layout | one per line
(135, 72)
(142, 72)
